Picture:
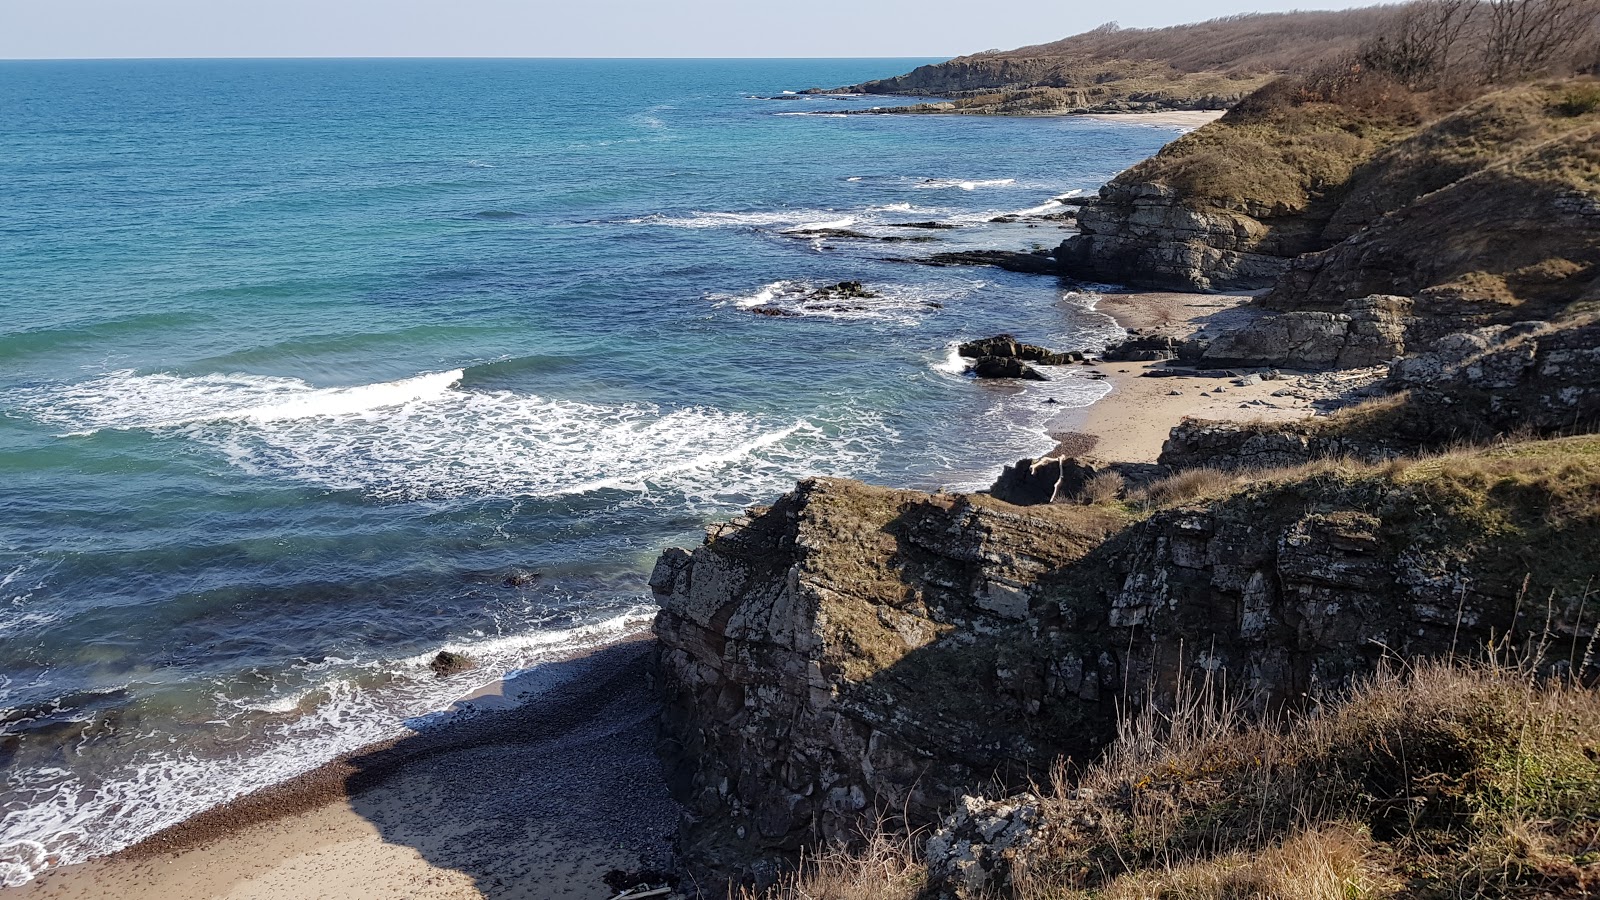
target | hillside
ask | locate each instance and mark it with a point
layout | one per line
(1207, 65)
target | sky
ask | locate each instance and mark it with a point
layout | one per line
(73, 29)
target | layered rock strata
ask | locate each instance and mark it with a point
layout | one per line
(856, 652)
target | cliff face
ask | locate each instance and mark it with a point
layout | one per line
(1486, 214)
(1141, 233)
(836, 655)
(855, 652)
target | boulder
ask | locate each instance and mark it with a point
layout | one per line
(1365, 332)
(1004, 345)
(1004, 367)
(448, 662)
(1048, 480)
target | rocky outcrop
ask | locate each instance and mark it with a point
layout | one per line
(1046, 480)
(821, 659)
(1007, 346)
(1517, 240)
(1140, 233)
(854, 651)
(1003, 356)
(1041, 262)
(1531, 378)
(1365, 332)
(1246, 446)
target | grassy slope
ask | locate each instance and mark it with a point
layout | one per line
(1437, 779)
(1206, 63)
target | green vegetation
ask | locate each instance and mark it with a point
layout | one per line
(1579, 100)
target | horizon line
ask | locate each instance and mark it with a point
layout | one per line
(455, 58)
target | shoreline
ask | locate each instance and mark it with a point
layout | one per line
(341, 830)
(1131, 423)
(433, 813)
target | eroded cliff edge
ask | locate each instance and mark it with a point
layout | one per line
(854, 653)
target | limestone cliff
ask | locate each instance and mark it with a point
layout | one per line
(860, 652)
(1330, 193)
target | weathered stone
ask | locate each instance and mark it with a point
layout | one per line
(971, 851)
(1365, 332)
(1004, 345)
(856, 649)
(1005, 367)
(1046, 480)
(1139, 233)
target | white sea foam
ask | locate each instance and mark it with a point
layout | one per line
(17, 590)
(964, 184)
(735, 219)
(66, 821)
(818, 226)
(952, 362)
(1045, 208)
(900, 304)
(422, 437)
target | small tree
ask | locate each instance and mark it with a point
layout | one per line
(1420, 49)
(1525, 36)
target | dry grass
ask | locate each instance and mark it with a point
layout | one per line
(885, 869)
(1103, 488)
(1330, 863)
(1437, 779)
(1184, 487)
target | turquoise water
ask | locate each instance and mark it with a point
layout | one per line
(299, 359)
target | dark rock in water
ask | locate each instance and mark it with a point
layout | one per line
(518, 577)
(1039, 262)
(773, 311)
(1004, 345)
(1049, 480)
(842, 233)
(448, 663)
(937, 225)
(844, 290)
(1005, 367)
(851, 235)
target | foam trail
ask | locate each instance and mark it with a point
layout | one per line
(965, 184)
(70, 822)
(421, 437)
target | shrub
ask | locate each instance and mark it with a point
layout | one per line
(1190, 484)
(1579, 100)
(1102, 488)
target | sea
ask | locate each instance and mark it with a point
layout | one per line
(312, 369)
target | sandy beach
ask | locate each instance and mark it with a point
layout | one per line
(536, 800)
(1188, 118)
(1132, 422)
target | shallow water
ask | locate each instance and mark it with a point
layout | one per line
(299, 359)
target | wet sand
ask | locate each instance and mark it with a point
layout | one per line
(545, 786)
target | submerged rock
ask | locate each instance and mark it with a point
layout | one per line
(1039, 262)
